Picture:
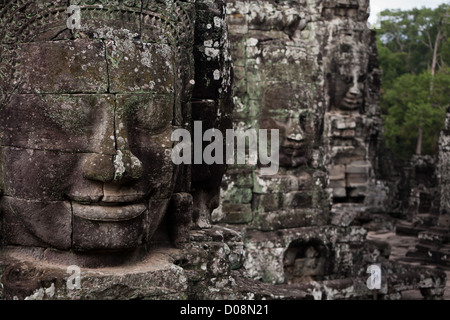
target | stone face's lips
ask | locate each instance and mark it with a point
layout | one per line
(108, 213)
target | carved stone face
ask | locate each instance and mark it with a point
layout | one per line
(293, 147)
(349, 72)
(348, 91)
(85, 148)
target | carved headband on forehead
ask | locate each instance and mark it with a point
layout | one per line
(169, 21)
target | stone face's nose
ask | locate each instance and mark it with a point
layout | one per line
(294, 130)
(111, 159)
(127, 166)
(354, 90)
(123, 166)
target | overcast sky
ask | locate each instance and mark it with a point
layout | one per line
(377, 6)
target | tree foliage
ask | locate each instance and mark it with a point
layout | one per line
(414, 54)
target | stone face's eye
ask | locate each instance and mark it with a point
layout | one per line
(140, 67)
(68, 112)
(148, 112)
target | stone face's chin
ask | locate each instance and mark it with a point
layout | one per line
(114, 227)
(97, 227)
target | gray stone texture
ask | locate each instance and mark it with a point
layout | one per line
(86, 176)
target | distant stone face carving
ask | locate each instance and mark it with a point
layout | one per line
(347, 85)
(85, 134)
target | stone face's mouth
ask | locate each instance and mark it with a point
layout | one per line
(109, 212)
(351, 101)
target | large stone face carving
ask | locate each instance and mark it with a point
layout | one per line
(85, 170)
(310, 70)
(86, 137)
(87, 115)
(353, 124)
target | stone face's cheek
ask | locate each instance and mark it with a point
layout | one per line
(144, 125)
(158, 168)
(36, 174)
(36, 223)
(62, 67)
(341, 87)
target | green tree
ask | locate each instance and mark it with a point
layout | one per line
(411, 106)
(414, 54)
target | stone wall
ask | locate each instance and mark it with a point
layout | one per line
(428, 210)
(306, 68)
(309, 69)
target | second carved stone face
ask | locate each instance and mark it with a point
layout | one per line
(85, 144)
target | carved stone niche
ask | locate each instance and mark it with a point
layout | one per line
(305, 261)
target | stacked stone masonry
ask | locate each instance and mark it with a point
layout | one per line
(309, 69)
(86, 177)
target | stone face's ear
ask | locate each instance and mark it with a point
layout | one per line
(180, 218)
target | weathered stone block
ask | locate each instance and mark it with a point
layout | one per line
(237, 49)
(158, 279)
(140, 67)
(337, 184)
(36, 223)
(339, 192)
(355, 179)
(336, 172)
(238, 195)
(297, 199)
(240, 177)
(237, 213)
(289, 218)
(266, 202)
(342, 215)
(99, 233)
(277, 183)
(81, 67)
(71, 123)
(119, 22)
(360, 191)
(344, 123)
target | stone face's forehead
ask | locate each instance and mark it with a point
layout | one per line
(94, 66)
(62, 67)
(140, 67)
